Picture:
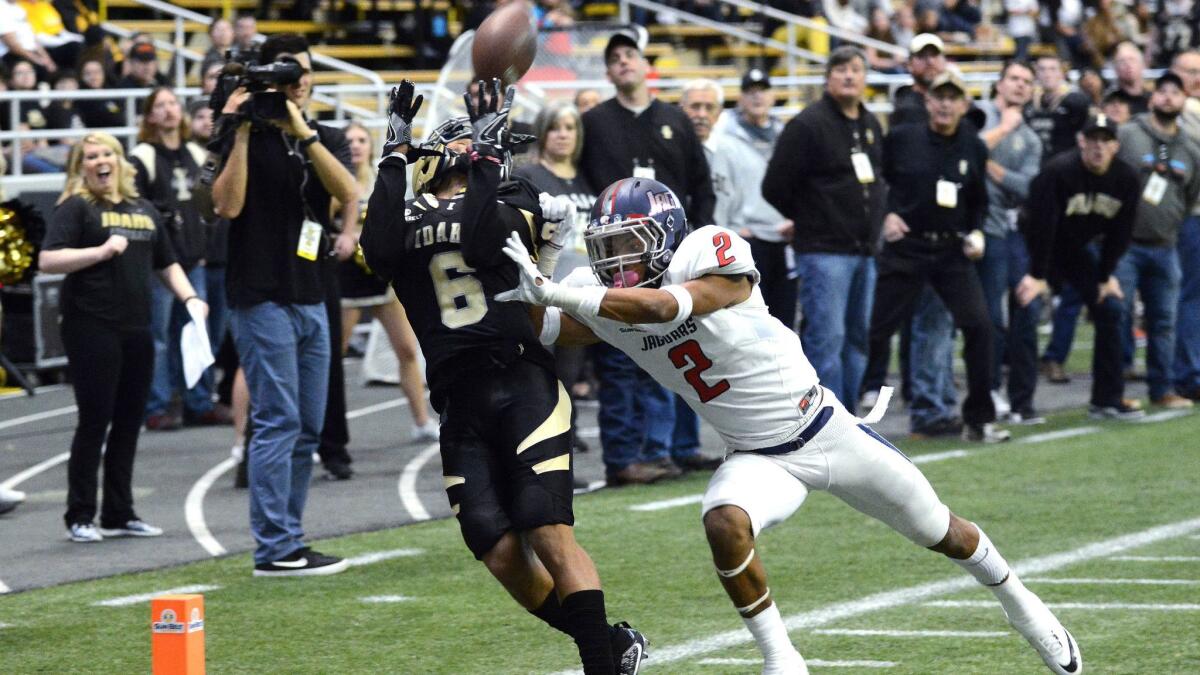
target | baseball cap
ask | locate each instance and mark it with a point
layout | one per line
(949, 78)
(633, 36)
(755, 77)
(924, 40)
(1100, 123)
(143, 51)
(1168, 77)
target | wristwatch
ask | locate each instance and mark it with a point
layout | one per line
(303, 145)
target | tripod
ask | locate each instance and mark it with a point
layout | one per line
(16, 375)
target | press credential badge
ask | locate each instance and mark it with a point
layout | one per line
(310, 240)
(862, 167)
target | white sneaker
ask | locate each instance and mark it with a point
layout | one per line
(1053, 643)
(427, 432)
(10, 499)
(83, 533)
(1001, 404)
(133, 528)
(985, 433)
(869, 399)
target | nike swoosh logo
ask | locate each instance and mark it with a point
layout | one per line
(1073, 665)
(291, 564)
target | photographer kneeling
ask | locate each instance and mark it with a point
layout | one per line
(280, 172)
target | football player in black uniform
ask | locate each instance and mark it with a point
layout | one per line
(505, 448)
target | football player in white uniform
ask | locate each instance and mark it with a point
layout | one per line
(687, 309)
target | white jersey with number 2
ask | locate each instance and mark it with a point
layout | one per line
(739, 368)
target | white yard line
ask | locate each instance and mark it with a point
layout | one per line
(914, 594)
(1150, 607)
(407, 487)
(867, 632)
(1060, 434)
(381, 599)
(1163, 416)
(667, 503)
(1156, 558)
(814, 663)
(193, 506)
(1117, 582)
(126, 600)
(34, 470)
(380, 556)
(940, 456)
(45, 414)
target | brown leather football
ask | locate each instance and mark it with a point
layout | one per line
(505, 43)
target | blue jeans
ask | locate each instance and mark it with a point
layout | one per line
(932, 357)
(1153, 271)
(836, 294)
(1187, 322)
(1062, 323)
(284, 350)
(167, 319)
(637, 415)
(993, 269)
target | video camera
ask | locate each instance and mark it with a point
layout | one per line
(244, 70)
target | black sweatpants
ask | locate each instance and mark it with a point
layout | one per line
(779, 292)
(335, 435)
(1080, 271)
(904, 268)
(111, 370)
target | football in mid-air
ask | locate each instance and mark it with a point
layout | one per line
(505, 43)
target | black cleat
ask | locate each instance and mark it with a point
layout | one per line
(628, 648)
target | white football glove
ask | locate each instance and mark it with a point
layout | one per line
(560, 212)
(536, 289)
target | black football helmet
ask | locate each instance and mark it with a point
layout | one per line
(635, 220)
(428, 170)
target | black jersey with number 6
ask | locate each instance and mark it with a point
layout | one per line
(444, 259)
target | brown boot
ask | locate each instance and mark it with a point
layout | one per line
(1053, 372)
(637, 474)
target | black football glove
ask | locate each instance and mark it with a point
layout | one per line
(489, 118)
(402, 108)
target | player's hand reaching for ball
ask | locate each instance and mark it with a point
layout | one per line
(533, 287)
(402, 109)
(489, 116)
(559, 214)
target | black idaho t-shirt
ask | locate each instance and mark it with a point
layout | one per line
(117, 290)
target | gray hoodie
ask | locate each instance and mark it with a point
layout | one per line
(750, 165)
(1144, 147)
(1020, 153)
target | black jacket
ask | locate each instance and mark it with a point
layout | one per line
(811, 180)
(915, 158)
(1070, 206)
(661, 137)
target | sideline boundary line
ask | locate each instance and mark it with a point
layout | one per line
(126, 600)
(1150, 607)
(34, 417)
(407, 485)
(885, 600)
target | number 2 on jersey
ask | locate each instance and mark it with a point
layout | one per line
(474, 303)
(689, 353)
(722, 241)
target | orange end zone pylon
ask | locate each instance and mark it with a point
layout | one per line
(177, 635)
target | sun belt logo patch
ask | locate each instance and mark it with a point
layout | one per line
(661, 201)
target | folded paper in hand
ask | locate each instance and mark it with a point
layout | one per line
(196, 349)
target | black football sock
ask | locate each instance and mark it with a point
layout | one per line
(552, 613)
(588, 625)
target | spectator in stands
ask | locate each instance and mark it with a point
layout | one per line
(559, 132)
(143, 68)
(959, 18)
(825, 176)
(107, 240)
(635, 135)
(1175, 29)
(211, 75)
(98, 113)
(1115, 105)
(586, 99)
(18, 41)
(276, 187)
(37, 155)
(1022, 25)
(220, 40)
(842, 14)
(904, 24)
(1014, 156)
(1063, 21)
(1080, 196)
(881, 29)
(1058, 111)
(1168, 164)
(753, 133)
(702, 101)
(1130, 67)
(1092, 84)
(245, 28)
(63, 114)
(926, 60)
(168, 168)
(1103, 31)
(63, 45)
(936, 201)
(1187, 330)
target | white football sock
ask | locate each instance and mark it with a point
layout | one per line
(992, 570)
(772, 638)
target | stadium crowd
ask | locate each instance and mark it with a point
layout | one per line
(979, 214)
